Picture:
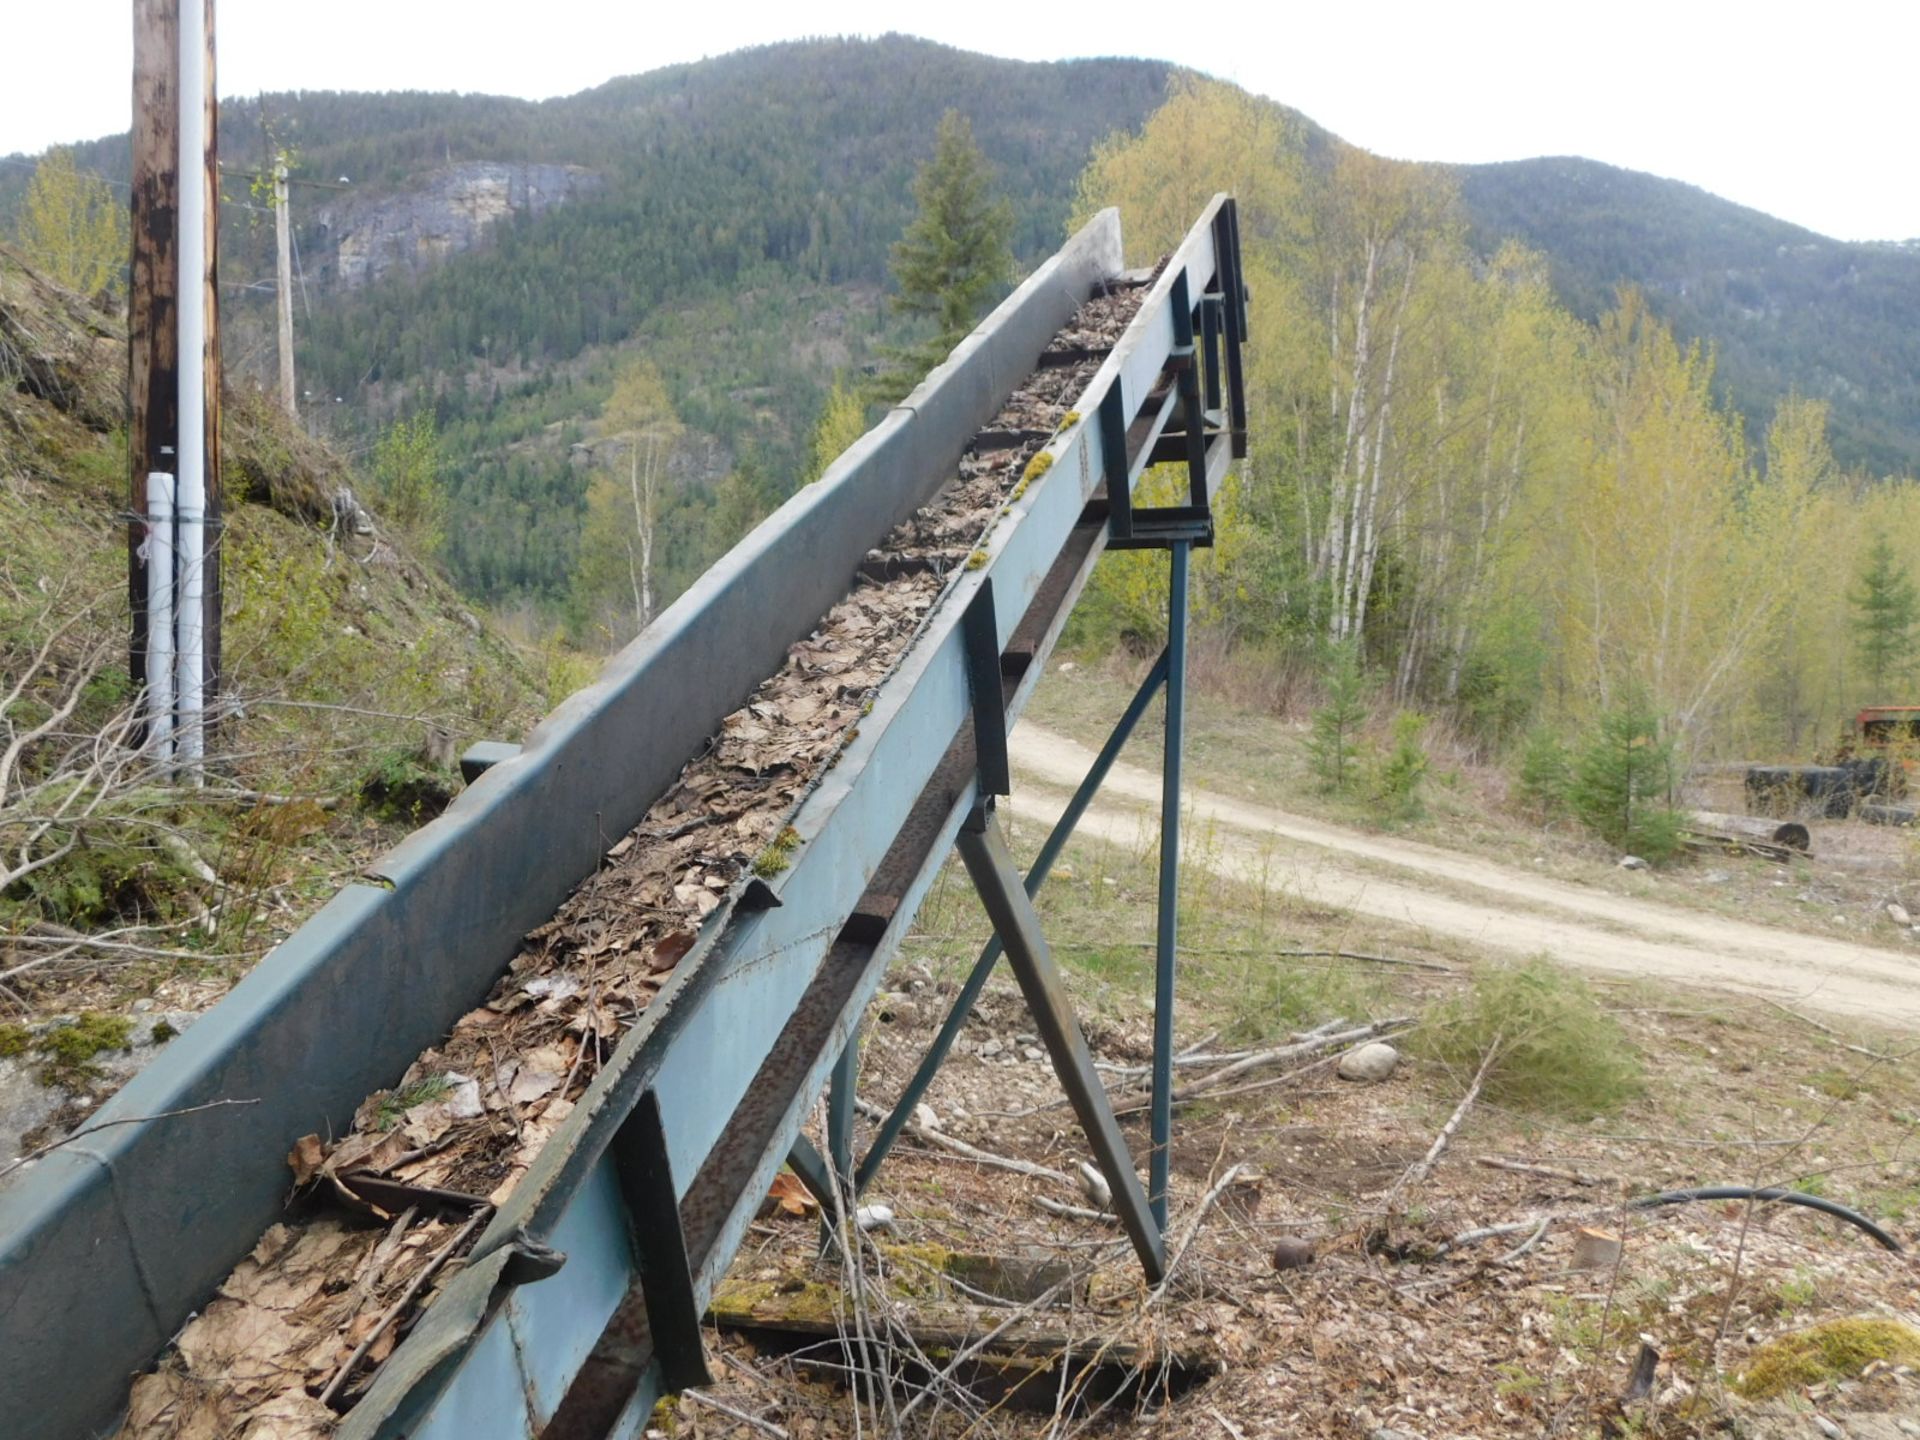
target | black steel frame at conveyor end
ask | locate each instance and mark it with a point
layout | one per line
(646, 1190)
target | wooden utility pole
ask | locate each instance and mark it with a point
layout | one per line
(283, 256)
(210, 293)
(153, 334)
(153, 313)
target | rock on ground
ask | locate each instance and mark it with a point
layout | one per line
(1371, 1062)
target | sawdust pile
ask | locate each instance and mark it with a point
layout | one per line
(300, 1327)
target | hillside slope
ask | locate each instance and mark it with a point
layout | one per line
(1786, 309)
(353, 673)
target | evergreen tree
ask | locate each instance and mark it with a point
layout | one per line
(1333, 745)
(1885, 612)
(1623, 779)
(954, 257)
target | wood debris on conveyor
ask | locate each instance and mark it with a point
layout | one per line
(298, 1330)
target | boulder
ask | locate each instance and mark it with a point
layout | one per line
(1372, 1062)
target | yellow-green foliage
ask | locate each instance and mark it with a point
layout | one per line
(1070, 419)
(1038, 465)
(1127, 597)
(1556, 1049)
(843, 420)
(1834, 1350)
(71, 226)
(977, 560)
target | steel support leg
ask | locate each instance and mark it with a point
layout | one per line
(840, 1114)
(810, 1168)
(835, 1169)
(991, 866)
(1169, 932)
(963, 1003)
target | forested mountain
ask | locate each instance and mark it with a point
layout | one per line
(497, 261)
(730, 220)
(1785, 309)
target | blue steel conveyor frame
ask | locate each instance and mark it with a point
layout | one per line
(578, 1305)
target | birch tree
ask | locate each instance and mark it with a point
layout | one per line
(1674, 558)
(641, 433)
(71, 227)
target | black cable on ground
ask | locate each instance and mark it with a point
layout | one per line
(1785, 1197)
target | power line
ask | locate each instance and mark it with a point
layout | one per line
(35, 165)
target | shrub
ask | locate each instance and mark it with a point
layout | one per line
(407, 466)
(401, 786)
(1556, 1049)
(1546, 772)
(1398, 776)
(1622, 782)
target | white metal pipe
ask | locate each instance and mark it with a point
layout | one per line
(159, 658)
(190, 505)
(190, 495)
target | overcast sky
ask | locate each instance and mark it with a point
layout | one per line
(1807, 112)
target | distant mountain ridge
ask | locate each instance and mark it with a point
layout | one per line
(732, 219)
(1784, 308)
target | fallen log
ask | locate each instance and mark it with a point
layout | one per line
(1747, 834)
(1752, 827)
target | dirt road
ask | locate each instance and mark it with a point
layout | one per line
(1480, 902)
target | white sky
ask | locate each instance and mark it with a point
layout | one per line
(1804, 111)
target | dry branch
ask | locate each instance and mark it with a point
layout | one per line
(765, 1427)
(956, 1146)
(1827, 1030)
(1193, 1227)
(52, 1145)
(1281, 1053)
(1546, 1172)
(1074, 1212)
(400, 1304)
(1422, 1167)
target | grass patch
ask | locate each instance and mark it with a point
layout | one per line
(1558, 1050)
(778, 855)
(1837, 1084)
(395, 1103)
(1272, 995)
(1127, 967)
(1835, 1350)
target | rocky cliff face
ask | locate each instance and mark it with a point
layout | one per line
(445, 212)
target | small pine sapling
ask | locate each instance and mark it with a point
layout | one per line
(1333, 746)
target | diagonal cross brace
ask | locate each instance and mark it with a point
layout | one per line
(660, 1245)
(1007, 904)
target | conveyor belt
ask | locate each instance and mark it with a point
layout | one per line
(576, 1304)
